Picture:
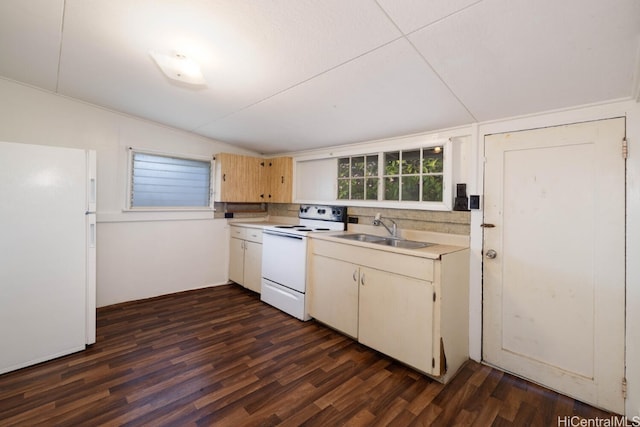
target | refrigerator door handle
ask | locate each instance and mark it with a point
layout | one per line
(91, 184)
(92, 192)
(92, 235)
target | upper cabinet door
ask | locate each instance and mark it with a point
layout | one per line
(239, 178)
(279, 179)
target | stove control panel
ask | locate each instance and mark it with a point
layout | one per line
(323, 212)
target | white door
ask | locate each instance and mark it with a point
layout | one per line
(554, 277)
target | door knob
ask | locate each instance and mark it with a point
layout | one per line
(491, 254)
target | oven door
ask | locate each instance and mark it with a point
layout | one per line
(284, 258)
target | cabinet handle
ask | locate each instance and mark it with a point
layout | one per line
(224, 176)
(362, 279)
(282, 180)
(355, 279)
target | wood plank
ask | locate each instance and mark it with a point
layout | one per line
(220, 356)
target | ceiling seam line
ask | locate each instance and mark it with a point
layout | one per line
(300, 82)
(442, 80)
(406, 37)
(444, 17)
(64, 10)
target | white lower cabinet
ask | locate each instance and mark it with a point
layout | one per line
(334, 299)
(396, 317)
(245, 257)
(411, 308)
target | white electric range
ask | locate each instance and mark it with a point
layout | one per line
(284, 256)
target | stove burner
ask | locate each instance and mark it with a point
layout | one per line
(284, 226)
(299, 226)
(321, 229)
(304, 229)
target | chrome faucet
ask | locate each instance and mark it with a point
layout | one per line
(394, 228)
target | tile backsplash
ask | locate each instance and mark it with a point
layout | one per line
(454, 222)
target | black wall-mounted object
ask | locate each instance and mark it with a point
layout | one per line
(474, 202)
(461, 202)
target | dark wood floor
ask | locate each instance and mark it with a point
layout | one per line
(219, 356)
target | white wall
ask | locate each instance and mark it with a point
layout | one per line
(140, 255)
(633, 261)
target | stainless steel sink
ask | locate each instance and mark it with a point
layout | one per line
(361, 237)
(387, 241)
(405, 244)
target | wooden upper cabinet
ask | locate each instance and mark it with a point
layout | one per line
(239, 178)
(247, 179)
(279, 177)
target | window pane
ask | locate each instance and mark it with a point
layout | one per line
(164, 181)
(357, 189)
(343, 189)
(372, 165)
(432, 160)
(371, 189)
(411, 162)
(391, 188)
(392, 163)
(411, 188)
(357, 166)
(432, 188)
(343, 167)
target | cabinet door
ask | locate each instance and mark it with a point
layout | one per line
(396, 317)
(333, 293)
(252, 266)
(279, 179)
(241, 178)
(236, 260)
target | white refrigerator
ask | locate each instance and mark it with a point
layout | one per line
(47, 253)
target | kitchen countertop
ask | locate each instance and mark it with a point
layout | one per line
(442, 247)
(263, 224)
(432, 252)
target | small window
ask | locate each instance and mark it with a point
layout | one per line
(358, 177)
(164, 181)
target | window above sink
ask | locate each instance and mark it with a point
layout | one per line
(415, 175)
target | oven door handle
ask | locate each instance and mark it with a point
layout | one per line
(288, 236)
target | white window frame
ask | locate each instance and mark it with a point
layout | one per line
(129, 189)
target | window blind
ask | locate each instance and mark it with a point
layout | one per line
(165, 181)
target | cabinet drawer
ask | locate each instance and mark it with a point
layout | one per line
(405, 265)
(253, 235)
(238, 232)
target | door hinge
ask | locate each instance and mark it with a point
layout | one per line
(624, 388)
(434, 297)
(625, 148)
(433, 362)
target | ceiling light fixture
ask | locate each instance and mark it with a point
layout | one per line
(178, 67)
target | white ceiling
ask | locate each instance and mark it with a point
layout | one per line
(289, 75)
